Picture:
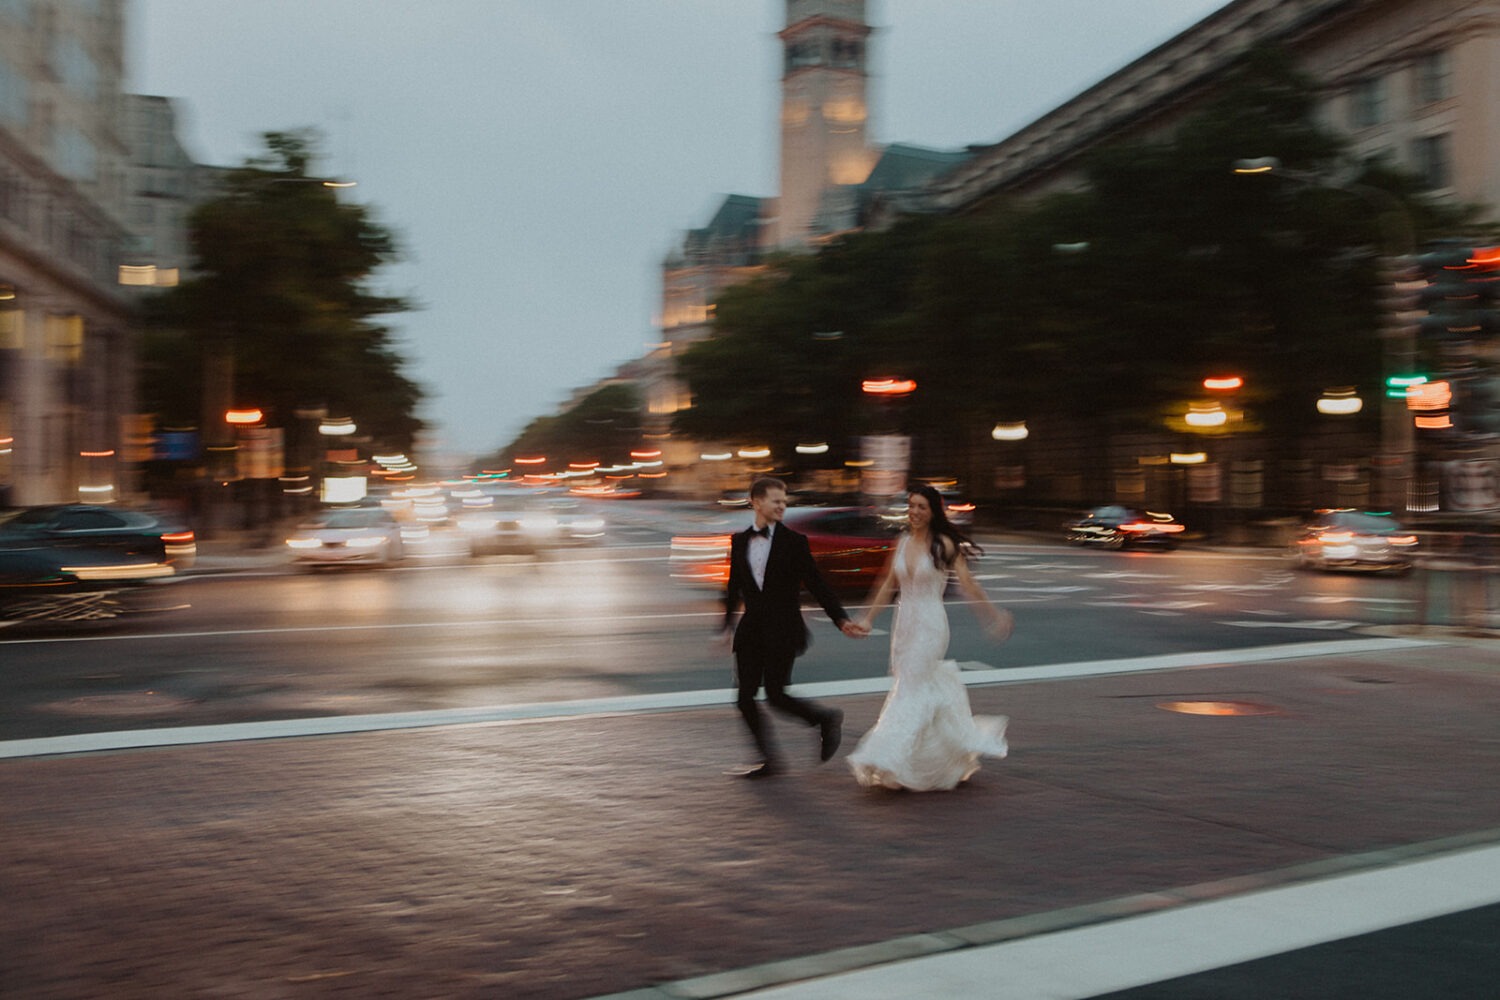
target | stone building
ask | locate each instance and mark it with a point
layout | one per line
(1410, 82)
(66, 349)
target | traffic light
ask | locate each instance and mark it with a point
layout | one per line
(1463, 290)
(1462, 299)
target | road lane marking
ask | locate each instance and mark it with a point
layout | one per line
(1323, 624)
(973, 674)
(1135, 941)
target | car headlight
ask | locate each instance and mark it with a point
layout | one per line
(303, 543)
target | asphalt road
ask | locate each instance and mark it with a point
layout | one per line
(445, 631)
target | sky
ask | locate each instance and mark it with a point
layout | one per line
(537, 159)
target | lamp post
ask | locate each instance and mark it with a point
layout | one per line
(889, 452)
(1398, 335)
(1012, 475)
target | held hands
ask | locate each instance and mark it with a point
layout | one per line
(854, 630)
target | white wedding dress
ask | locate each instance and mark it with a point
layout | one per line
(926, 738)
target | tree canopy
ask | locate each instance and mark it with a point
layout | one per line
(1107, 304)
(282, 285)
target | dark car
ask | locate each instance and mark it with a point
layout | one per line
(1351, 539)
(72, 562)
(94, 542)
(849, 544)
(1115, 526)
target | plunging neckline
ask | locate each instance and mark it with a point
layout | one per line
(906, 558)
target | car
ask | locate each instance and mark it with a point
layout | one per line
(959, 509)
(1344, 538)
(518, 521)
(94, 542)
(849, 544)
(1115, 526)
(74, 563)
(347, 536)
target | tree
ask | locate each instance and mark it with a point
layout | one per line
(604, 426)
(282, 289)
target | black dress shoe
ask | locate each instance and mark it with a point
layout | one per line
(832, 728)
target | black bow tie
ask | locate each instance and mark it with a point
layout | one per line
(762, 532)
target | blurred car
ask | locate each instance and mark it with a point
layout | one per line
(345, 536)
(72, 563)
(91, 542)
(1114, 526)
(849, 544)
(960, 510)
(1351, 539)
(513, 521)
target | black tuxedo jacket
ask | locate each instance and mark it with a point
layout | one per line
(772, 623)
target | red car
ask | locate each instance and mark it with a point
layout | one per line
(849, 544)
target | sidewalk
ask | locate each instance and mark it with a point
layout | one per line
(607, 853)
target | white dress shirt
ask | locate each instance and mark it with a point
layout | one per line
(758, 552)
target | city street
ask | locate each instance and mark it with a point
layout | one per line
(506, 776)
(607, 852)
(442, 631)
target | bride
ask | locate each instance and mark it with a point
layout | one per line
(926, 738)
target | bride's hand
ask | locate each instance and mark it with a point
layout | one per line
(1000, 625)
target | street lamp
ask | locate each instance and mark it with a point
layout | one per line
(1340, 402)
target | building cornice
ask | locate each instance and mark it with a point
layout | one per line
(1147, 89)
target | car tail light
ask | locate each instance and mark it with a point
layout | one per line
(1403, 539)
(1338, 537)
(1151, 526)
(177, 537)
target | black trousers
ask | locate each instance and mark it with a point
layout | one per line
(754, 668)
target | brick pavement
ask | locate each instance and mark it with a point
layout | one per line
(587, 856)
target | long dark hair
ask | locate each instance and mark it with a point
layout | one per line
(941, 528)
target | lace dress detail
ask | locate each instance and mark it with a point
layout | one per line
(926, 738)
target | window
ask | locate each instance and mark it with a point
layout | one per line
(76, 67)
(1367, 102)
(63, 335)
(1434, 77)
(87, 520)
(14, 96)
(74, 155)
(1432, 161)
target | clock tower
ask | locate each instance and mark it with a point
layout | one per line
(824, 109)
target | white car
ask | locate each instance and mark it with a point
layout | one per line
(347, 536)
(1351, 539)
(528, 523)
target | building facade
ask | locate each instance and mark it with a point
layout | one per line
(163, 186)
(66, 347)
(1409, 82)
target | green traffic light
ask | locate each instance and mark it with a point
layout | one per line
(1396, 386)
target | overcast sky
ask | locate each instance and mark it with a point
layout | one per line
(538, 158)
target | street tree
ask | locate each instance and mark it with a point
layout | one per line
(282, 302)
(603, 427)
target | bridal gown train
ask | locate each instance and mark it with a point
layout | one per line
(926, 738)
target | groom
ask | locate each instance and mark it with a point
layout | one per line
(769, 565)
